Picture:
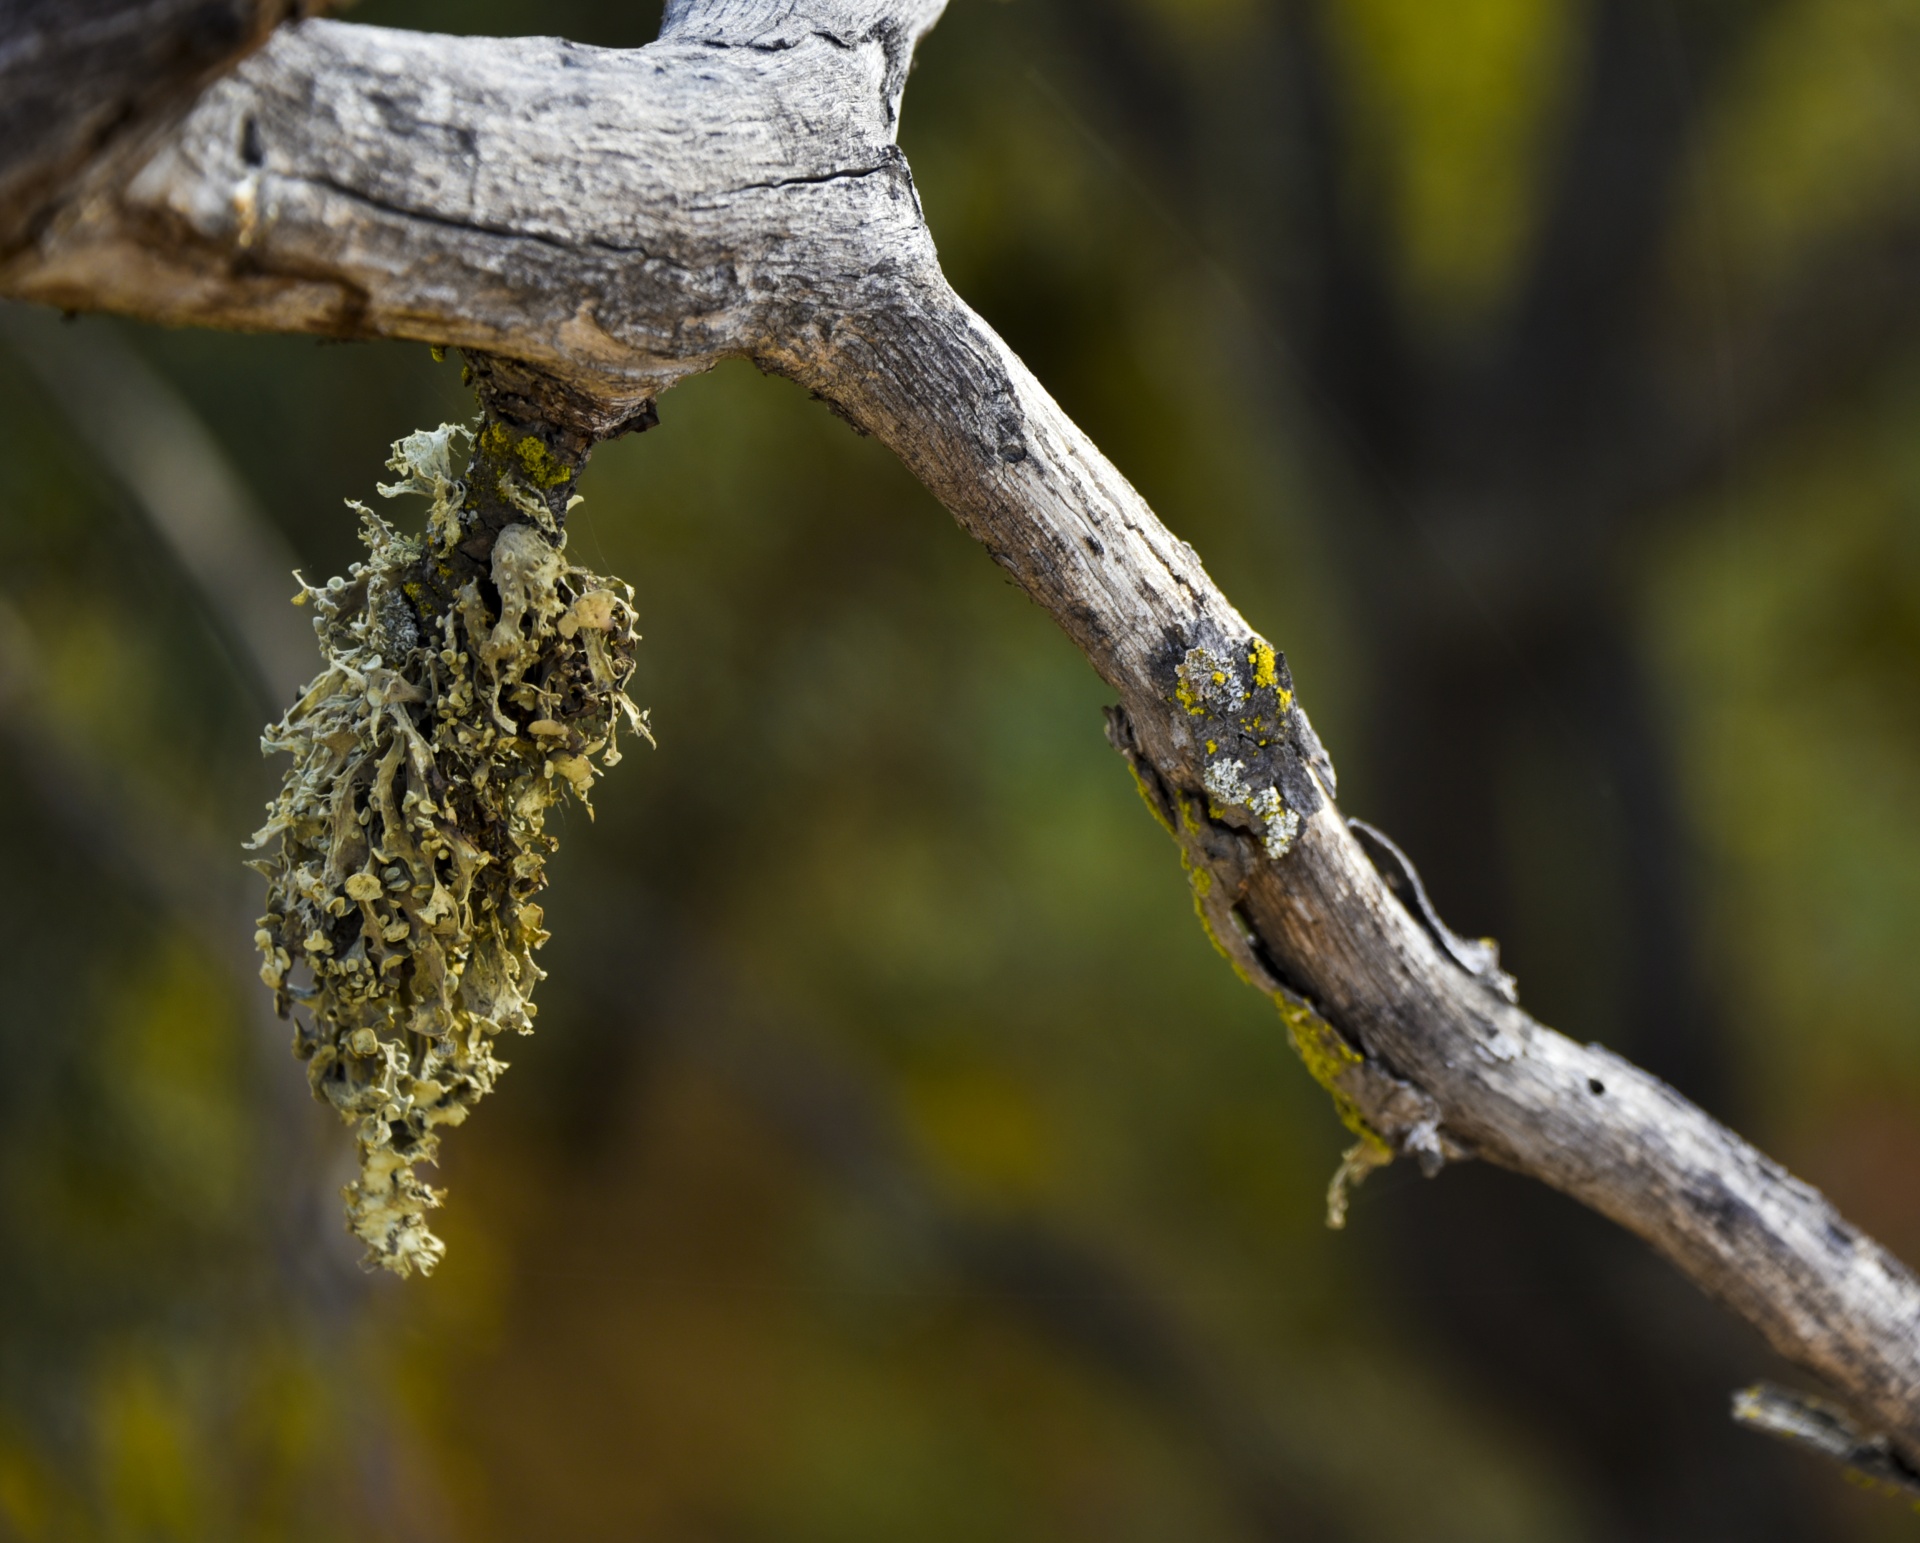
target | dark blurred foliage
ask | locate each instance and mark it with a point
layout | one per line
(896, 1160)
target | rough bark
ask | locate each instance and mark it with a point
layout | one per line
(617, 220)
(1477, 509)
(77, 77)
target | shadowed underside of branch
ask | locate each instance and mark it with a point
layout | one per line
(614, 221)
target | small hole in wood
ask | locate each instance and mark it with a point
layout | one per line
(1595, 1086)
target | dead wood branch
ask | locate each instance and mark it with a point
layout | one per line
(618, 220)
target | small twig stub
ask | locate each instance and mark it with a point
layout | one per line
(1822, 1427)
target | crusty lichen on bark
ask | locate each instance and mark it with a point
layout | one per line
(473, 678)
(1260, 767)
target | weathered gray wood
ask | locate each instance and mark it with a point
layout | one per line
(78, 76)
(619, 220)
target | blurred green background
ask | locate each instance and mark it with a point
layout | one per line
(896, 1161)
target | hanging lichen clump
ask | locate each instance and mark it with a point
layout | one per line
(473, 678)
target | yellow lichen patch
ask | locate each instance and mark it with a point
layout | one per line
(1328, 1058)
(1326, 1055)
(1266, 664)
(408, 840)
(1147, 798)
(1202, 889)
(525, 454)
(543, 469)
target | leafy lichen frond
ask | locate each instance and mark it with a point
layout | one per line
(473, 677)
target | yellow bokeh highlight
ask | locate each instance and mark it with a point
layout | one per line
(1456, 109)
(984, 1130)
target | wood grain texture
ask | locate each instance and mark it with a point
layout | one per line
(78, 77)
(614, 221)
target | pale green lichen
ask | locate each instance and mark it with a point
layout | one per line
(1226, 783)
(1252, 713)
(461, 698)
(1207, 681)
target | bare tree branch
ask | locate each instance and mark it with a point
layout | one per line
(77, 77)
(619, 220)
